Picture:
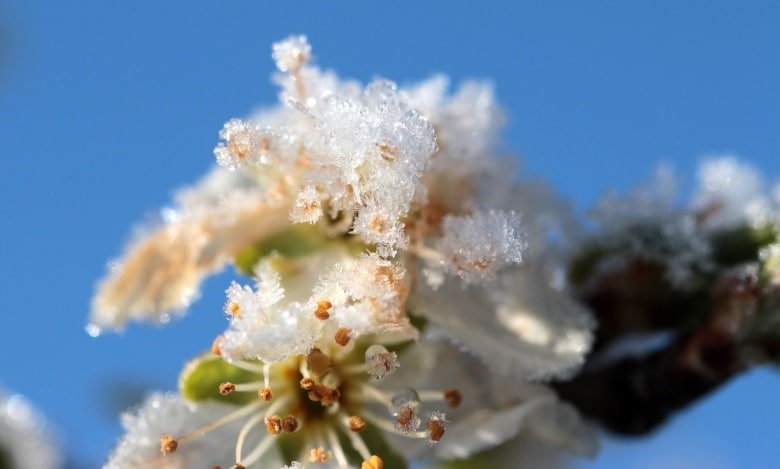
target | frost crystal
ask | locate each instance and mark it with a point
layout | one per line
(261, 328)
(307, 207)
(291, 53)
(380, 361)
(475, 246)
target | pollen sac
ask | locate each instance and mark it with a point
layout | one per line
(274, 425)
(406, 420)
(168, 444)
(226, 388)
(374, 462)
(452, 397)
(307, 207)
(342, 337)
(245, 144)
(380, 361)
(435, 426)
(290, 424)
(356, 424)
(265, 394)
(307, 384)
(318, 455)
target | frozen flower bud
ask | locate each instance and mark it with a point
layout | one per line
(475, 246)
(435, 426)
(307, 207)
(380, 361)
(292, 53)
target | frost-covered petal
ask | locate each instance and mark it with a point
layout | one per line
(368, 295)
(161, 273)
(168, 414)
(263, 328)
(24, 438)
(476, 246)
(521, 326)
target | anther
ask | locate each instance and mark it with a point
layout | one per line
(356, 424)
(453, 397)
(216, 346)
(342, 336)
(290, 424)
(318, 362)
(374, 462)
(331, 397)
(238, 466)
(226, 388)
(323, 309)
(318, 455)
(265, 394)
(307, 384)
(234, 309)
(435, 430)
(273, 424)
(168, 444)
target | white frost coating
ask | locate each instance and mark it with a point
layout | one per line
(262, 328)
(291, 53)
(734, 191)
(307, 207)
(168, 414)
(476, 246)
(375, 149)
(368, 295)
(24, 437)
(519, 327)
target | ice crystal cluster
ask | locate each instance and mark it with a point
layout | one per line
(398, 310)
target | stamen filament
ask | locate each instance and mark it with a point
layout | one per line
(428, 396)
(227, 418)
(356, 440)
(259, 451)
(376, 395)
(278, 404)
(338, 451)
(427, 253)
(252, 386)
(267, 375)
(244, 365)
(387, 426)
(356, 369)
(248, 426)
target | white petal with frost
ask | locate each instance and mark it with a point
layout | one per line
(524, 328)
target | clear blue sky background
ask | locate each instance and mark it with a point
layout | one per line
(106, 106)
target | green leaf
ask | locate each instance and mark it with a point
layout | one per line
(201, 377)
(296, 241)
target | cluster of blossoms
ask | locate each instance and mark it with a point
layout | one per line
(401, 307)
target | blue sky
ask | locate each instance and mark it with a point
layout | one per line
(107, 106)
